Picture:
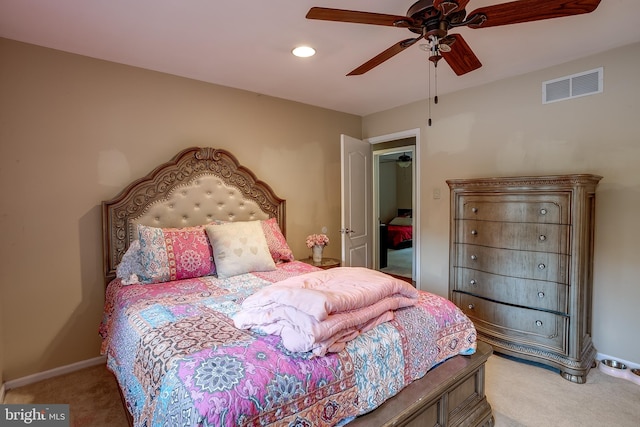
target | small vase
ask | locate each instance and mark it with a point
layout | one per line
(317, 253)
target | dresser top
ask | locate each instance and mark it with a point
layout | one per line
(554, 181)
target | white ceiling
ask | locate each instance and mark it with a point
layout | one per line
(246, 44)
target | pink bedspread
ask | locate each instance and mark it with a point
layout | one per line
(179, 360)
(322, 310)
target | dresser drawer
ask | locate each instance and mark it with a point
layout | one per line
(546, 266)
(549, 208)
(537, 294)
(513, 235)
(523, 326)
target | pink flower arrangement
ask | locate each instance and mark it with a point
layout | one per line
(317, 239)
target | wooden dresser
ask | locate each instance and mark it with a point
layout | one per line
(521, 265)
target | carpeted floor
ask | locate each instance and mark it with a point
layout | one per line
(521, 395)
(399, 262)
(524, 395)
(92, 395)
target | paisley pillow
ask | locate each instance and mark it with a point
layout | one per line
(278, 246)
(168, 254)
(130, 268)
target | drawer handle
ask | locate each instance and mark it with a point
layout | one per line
(541, 266)
(543, 211)
(538, 322)
(471, 307)
(473, 282)
(474, 210)
(474, 257)
(542, 238)
(474, 232)
(540, 294)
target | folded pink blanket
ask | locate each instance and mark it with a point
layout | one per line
(323, 310)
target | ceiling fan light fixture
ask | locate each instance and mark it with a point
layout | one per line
(303, 51)
(444, 48)
(404, 161)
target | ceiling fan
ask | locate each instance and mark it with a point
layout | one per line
(432, 19)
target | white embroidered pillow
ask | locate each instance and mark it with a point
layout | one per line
(239, 247)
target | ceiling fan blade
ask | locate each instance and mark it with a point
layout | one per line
(383, 56)
(340, 15)
(448, 6)
(461, 58)
(530, 10)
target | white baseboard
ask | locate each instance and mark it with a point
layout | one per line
(30, 379)
(631, 365)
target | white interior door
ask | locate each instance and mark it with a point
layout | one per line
(356, 179)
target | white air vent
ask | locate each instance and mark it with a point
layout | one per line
(574, 86)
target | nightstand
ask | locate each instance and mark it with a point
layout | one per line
(325, 264)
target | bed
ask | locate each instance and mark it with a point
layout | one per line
(178, 358)
(400, 230)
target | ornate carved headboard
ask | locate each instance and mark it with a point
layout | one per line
(197, 186)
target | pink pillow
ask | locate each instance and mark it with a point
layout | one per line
(168, 254)
(278, 247)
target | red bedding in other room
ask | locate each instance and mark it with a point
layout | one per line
(399, 233)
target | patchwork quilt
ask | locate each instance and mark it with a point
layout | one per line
(179, 360)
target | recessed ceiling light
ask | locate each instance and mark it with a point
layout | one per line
(303, 51)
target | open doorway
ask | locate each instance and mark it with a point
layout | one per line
(394, 189)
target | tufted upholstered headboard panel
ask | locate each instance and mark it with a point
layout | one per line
(197, 186)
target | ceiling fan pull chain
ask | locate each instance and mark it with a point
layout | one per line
(435, 74)
(429, 89)
(435, 57)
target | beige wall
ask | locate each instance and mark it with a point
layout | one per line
(503, 129)
(404, 187)
(387, 191)
(75, 130)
